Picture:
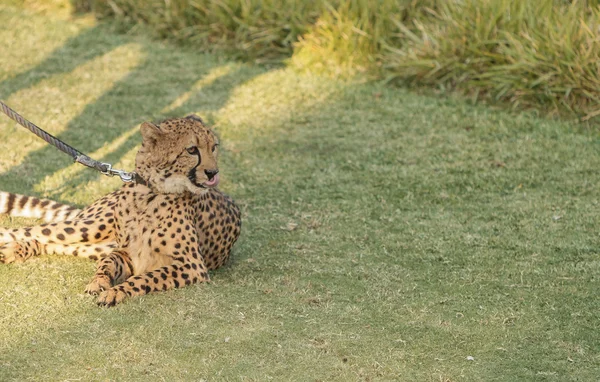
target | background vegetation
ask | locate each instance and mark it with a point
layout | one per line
(533, 54)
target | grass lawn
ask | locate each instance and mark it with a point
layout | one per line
(387, 235)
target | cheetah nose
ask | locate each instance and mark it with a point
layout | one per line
(211, 173)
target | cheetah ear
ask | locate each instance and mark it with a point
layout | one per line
(194, 117)
(150, 133)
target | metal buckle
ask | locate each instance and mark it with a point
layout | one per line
(108, 171)
(125, 176)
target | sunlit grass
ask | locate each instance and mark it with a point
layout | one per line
(387, 235)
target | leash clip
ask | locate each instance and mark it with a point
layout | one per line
(125, 176)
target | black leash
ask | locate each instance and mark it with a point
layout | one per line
(104, 168)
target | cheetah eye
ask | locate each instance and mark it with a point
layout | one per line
(193, 150)
(215, 147)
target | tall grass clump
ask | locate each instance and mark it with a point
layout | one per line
(348, 35)
(269, 30)
(258, 30)
(531, 53)
(542, 54)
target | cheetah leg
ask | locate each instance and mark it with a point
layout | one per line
(67, 232)
(22, 250)
(112, 269)
(19, 251)
(164, 278)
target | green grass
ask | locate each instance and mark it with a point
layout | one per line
(387, 235)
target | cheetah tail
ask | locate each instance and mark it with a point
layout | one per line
(31, 207)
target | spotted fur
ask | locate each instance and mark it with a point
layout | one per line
(147, 238)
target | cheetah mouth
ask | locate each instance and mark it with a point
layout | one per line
(211, 182)
(208, 184)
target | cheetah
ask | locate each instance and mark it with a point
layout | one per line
(165, 231)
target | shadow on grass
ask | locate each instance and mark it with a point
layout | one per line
(87, 45)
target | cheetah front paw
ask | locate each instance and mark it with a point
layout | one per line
(98, 285)
(111, 297)
(12, 252)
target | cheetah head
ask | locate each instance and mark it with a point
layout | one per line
(178, 155)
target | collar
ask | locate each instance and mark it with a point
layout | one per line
(139, 180)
